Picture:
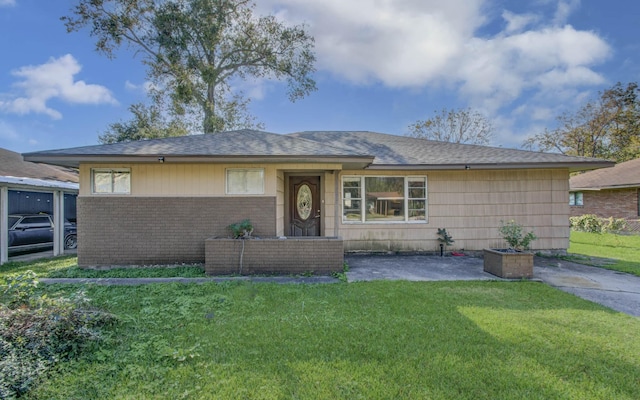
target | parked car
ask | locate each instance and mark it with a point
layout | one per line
(35, 232)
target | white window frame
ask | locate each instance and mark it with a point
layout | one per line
(110, 171)
(363, 195)
(576, 199)
(248, 191)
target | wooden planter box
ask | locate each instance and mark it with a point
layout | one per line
(291, 255)
(516, 265)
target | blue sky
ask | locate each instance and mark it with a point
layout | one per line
(382, 65)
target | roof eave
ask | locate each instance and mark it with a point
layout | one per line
(571, 166)
(608, 187)
(75, 160)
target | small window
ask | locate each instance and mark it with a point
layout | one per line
(111, 181)
(245, 181)
(575, 199)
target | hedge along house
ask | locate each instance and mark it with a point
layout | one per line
(157, 201)
(610, 192)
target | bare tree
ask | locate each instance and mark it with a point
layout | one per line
(607, 127)
(456, 126)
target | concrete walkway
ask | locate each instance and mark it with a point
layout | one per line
(145, 281)
(616, 290)
(612, 289)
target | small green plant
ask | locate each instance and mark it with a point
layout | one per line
(445, 240)
(241, 230)
(342, 276)
(444, 237)
(513, 233)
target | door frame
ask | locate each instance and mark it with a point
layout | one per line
(287, 196)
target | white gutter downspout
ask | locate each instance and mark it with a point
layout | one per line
(338, 206)
(58, 222)
(4, 224)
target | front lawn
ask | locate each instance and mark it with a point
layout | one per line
(624, 250)
(67, 267)
(369, 340)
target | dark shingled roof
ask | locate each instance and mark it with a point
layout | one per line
(626, 174)
(232, 143)
(392, 150)
(355, 149)
(12, 164)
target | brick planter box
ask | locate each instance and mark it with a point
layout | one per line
(291, 255)
(508, 265)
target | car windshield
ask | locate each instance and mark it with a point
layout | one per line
(12, 221)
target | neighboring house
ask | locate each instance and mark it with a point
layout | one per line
(156, 201)
(609, 192)
(29, 188)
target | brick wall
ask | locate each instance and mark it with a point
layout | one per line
(288, 256)
(162, 230)
(617, 203)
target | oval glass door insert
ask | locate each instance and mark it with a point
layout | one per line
(304, 202)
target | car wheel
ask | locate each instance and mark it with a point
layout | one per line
(71, 242)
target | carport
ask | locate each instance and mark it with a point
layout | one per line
(57, 190)
(27, 187)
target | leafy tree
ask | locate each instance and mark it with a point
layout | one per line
(456, 126)
(606, 127)
(147, 123)
(195, 49)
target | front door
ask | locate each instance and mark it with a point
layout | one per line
(304, 206)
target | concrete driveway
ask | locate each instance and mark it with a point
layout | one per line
(612, 289)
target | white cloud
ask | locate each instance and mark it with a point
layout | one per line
(517, 22)
(7, 3)
(422, 43)
(565, 8)
(53, 80)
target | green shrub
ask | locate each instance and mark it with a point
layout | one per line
(37, 331)
(593, 224)
(513, 233)
(241, 230)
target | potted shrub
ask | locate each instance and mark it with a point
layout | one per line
(515, 261)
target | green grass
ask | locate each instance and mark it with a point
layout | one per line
(373, 340)
(369, 340)
(66, 267)
(623, 250)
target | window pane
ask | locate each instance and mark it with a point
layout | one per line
(352, 210)
(384, 199)
(121, 182)
(101, 182)
(578, 198)
(245, 181)
(417, 211)
(417, 215)
(417, 193)
(416, 182)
